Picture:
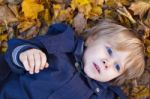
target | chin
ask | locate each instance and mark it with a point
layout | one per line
(90, 74)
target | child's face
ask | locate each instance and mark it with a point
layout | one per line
(102, 62)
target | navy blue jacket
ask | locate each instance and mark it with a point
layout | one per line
(64, 79)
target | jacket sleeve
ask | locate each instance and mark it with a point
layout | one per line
(4, 69)
(59, 38)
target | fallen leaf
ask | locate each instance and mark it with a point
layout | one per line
(23, 26)
(140, 8)
(97, 2)
(2, 29)
(123, 11)
(15, 2)
(2, 2)
(79, 22)
(14, 9)
(96, 11)
(86, 9)
(110, 3)
(57, 8)
(65, 15)
(3, 37)
(140, 91)
(31, 8)
(6, 15)
(32, 32)
(47, 17)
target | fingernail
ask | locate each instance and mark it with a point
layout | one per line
(31, 72)
(36, 71)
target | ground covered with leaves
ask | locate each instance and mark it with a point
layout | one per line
(28, 18)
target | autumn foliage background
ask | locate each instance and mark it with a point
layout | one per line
(28, 18)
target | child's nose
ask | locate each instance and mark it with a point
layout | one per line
(107, 63)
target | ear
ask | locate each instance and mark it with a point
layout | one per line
(89, 40)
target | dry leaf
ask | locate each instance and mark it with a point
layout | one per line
(6, 15)
(31, 8)
(97, 2)
(32, 32)
(23, 26)
(65, 15)
(14, 9)
(140, 8)
(79, 22)
(3, 37)
(14, 1)
(2, 29)
(111, 3)
(96, 11)
(78, 3)
(56, 8)
(47, 17)
(140, 91)
(123, 11)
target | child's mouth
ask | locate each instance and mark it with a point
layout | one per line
(97, 67)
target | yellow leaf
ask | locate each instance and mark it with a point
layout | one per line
(31, 8)
(47, 17)
(86, 9)
(65, 15)
(110, 3)
(2, 29)
(141, 91)
(108, 14)
(140, 8)
(3, 37)
(25, 25)
(96, 11)
(56, 8)
(97, 2)
(78, 3)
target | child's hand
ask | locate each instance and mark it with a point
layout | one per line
(33, 60)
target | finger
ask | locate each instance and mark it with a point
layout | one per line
(37, 62)
(31, 62)
(46, 65)
(43, 60)
(24, 60)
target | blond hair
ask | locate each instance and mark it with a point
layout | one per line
(123, 39)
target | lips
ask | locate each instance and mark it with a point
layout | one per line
(96, 67)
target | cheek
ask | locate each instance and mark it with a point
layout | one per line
(108, 75)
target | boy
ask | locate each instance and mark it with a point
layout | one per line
(112, 55)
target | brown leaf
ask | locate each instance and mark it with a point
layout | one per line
(2, 2)
(14, 1)
(123, 11)
(23, 26)
(32, 32)
(6, 15)
(140, 8)
(79, 22)
(97, 2)
(14, 9)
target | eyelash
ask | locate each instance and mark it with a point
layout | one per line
(110, 53)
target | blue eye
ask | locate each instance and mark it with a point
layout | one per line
(117, 67)
(109, 50)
